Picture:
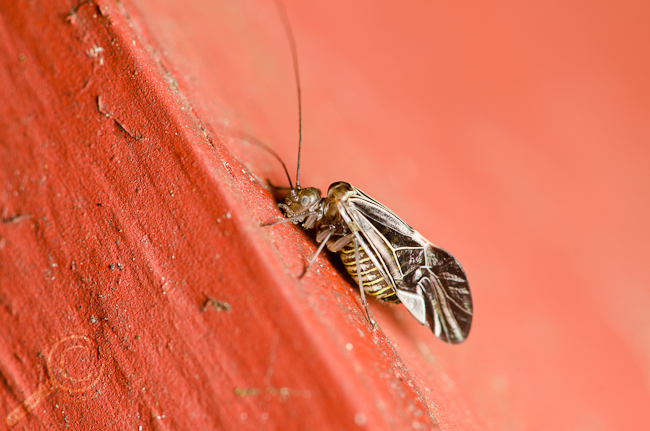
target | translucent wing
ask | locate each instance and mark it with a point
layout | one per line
(449, 305)
(428, 280)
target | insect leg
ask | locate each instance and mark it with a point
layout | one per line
(340, 243)
(363, 292)
(298, 217)
(320, 248)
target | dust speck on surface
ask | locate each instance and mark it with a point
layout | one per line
(215, 304)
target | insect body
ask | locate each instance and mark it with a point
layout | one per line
(386, 257)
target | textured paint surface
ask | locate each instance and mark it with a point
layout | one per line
(138, 289)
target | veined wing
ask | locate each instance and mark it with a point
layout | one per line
(444, 283)
(379, 231)
(428, 280)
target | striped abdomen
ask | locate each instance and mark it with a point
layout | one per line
(373, 283)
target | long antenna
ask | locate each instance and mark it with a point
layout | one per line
(294, 55)
(253, 140)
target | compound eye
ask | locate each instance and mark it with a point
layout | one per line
(304, 201)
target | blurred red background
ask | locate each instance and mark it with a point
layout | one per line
(514, 135)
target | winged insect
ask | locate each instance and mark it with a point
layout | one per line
(385, 256)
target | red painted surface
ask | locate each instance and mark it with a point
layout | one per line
(514, 135)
